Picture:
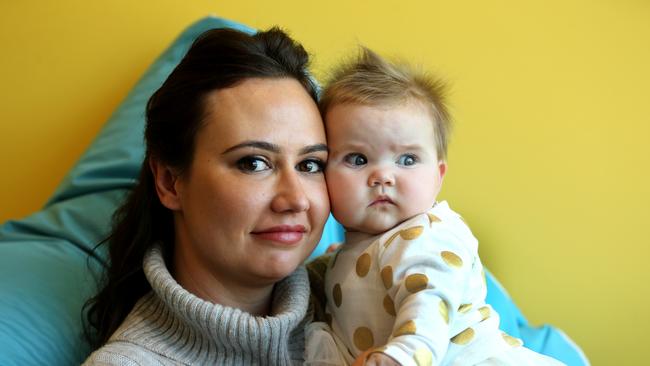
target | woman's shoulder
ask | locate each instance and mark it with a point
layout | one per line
(127, 346)
(124, 354)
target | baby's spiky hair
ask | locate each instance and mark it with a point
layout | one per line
(371, 80)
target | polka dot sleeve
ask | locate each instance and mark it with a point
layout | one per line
(425, 266)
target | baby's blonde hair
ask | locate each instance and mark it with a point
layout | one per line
(371, 80)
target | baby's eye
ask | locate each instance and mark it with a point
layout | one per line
(355, 159)
(250, 164)
(311, 166)
(407, 160)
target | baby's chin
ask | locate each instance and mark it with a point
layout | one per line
(375, 227)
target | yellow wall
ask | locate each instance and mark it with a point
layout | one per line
(549, 161)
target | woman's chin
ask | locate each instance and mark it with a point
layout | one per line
(278, 267)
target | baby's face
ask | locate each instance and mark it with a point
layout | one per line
(383, 167)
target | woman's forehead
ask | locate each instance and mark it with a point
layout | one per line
(278, 111)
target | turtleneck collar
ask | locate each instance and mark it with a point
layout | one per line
(179, 325)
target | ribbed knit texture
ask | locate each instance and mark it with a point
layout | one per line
(170, 326)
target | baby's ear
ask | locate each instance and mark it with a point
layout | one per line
(442, 168)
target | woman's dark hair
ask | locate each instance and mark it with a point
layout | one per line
(219, 58)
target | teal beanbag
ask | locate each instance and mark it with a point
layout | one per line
(48, 266)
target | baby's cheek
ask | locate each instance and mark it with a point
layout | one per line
(331, 179)
(420, 195)
(340, 196)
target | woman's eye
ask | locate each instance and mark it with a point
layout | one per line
(311, 166)
(407, 160)
(355, 159)
(252, 164)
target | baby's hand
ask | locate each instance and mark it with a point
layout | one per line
(333, 247)
(375, 359)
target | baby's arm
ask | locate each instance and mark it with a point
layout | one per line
(425, 265)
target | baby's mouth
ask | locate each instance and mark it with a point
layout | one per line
(381, 200)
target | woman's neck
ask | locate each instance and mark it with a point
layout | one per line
(208, 286)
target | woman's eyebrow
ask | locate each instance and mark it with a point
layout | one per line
(313, 148)
(254, 144)
(274, 148)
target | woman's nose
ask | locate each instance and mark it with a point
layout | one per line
(290, 195)
(381, 177)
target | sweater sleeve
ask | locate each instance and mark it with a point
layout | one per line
(425, 265)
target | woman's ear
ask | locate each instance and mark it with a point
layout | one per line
(165, 182)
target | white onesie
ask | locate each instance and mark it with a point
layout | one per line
(416, 293)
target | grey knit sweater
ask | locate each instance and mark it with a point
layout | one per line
(170, 326)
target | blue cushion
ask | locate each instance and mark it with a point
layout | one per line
(46, 273)
(545, 339)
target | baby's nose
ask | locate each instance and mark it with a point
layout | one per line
(381, 177)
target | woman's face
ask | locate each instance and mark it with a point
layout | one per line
(253, 203)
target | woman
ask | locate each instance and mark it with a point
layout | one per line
(231, 199)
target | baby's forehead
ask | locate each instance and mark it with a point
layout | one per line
(391, 126)
(386, 118)
(379, 106)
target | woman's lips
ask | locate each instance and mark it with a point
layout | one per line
(283, 234)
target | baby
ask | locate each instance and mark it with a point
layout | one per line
(407, 287)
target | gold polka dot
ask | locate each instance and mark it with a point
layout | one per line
(451, 259)
(389, 305)
(416, 282)
(363, 264)
(463, 337)
(390, 240)
(387, 277)
(463, 308)
(485, 312)
(337, 295)
(363, 338)
(407, 328)
(433, 218)
(411, 233)
(423, 357)
(406, 234)
(512, 341)
(444, 311)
